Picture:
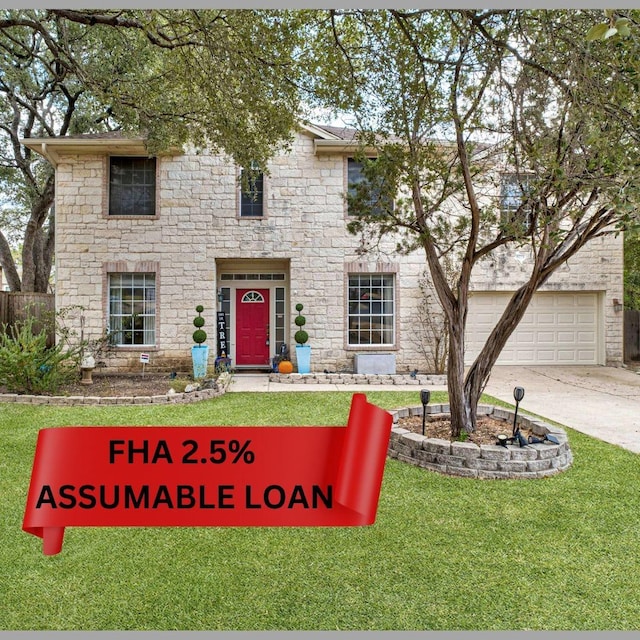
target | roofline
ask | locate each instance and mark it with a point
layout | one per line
(317, 131)
(51, 148)
(342, 146)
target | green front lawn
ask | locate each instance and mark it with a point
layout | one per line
(445, 553)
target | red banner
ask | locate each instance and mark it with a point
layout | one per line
(208, 476)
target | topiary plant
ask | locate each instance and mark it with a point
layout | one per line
(199, 335)
(301, 336)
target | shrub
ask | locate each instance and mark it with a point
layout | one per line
(199, 335)
(27, 365)
(301, 336)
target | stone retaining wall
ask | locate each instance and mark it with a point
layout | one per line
(356, 378)
(485, 461)
(169, 398)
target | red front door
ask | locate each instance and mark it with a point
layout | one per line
(252, 327)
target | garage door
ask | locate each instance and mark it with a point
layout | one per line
(558, 328)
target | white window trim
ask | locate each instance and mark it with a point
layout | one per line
(252, 297)
(144, 267)
(393, 315)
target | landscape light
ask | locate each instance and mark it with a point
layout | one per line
(425, 395)
(518, 394)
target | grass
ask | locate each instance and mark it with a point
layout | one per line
(445, 553)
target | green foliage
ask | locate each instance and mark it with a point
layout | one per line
(199, 335)
(632, 269)
(450, 103)
(216, 78)
(301, 336)
(222, 79)
(180, 384)
(69, 324)
(616, 26)
(28, 365)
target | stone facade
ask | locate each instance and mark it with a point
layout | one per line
(197, 244)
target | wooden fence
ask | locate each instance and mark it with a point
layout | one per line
(631, 335)
(17, 306)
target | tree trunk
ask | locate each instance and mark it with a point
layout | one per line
(43, 256)
(463, 413)
(9, 265)
(37, 254)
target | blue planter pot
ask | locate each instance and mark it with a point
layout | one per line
(303, 356)
(200, 355)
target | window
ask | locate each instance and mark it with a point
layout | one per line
(371, 309)
(252, 276)
(253, 296)
(251, 194)
(513, 190)
(132, 308)
(132, 186)
(373, 199)
(280, 316)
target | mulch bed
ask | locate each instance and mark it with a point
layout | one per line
(439, 426)
(109, 386)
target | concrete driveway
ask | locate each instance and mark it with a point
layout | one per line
(603, 402)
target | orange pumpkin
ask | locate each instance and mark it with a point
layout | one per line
(285, 367)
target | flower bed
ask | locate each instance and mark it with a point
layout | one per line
(486, 461)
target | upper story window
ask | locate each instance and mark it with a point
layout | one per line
(132, 186)
(373, 200)
(251, 194)
(513, 192)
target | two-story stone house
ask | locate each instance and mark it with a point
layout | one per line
(140, 242)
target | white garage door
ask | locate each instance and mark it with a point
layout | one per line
(558, 328)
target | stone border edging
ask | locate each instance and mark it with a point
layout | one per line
(486, 461)
(67, 401)
(356, 378)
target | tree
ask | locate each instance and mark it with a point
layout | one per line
(632, 269)
(220, 79)
(30, 97)
(452, 99)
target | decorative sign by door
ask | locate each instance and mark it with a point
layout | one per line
(223, 349)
